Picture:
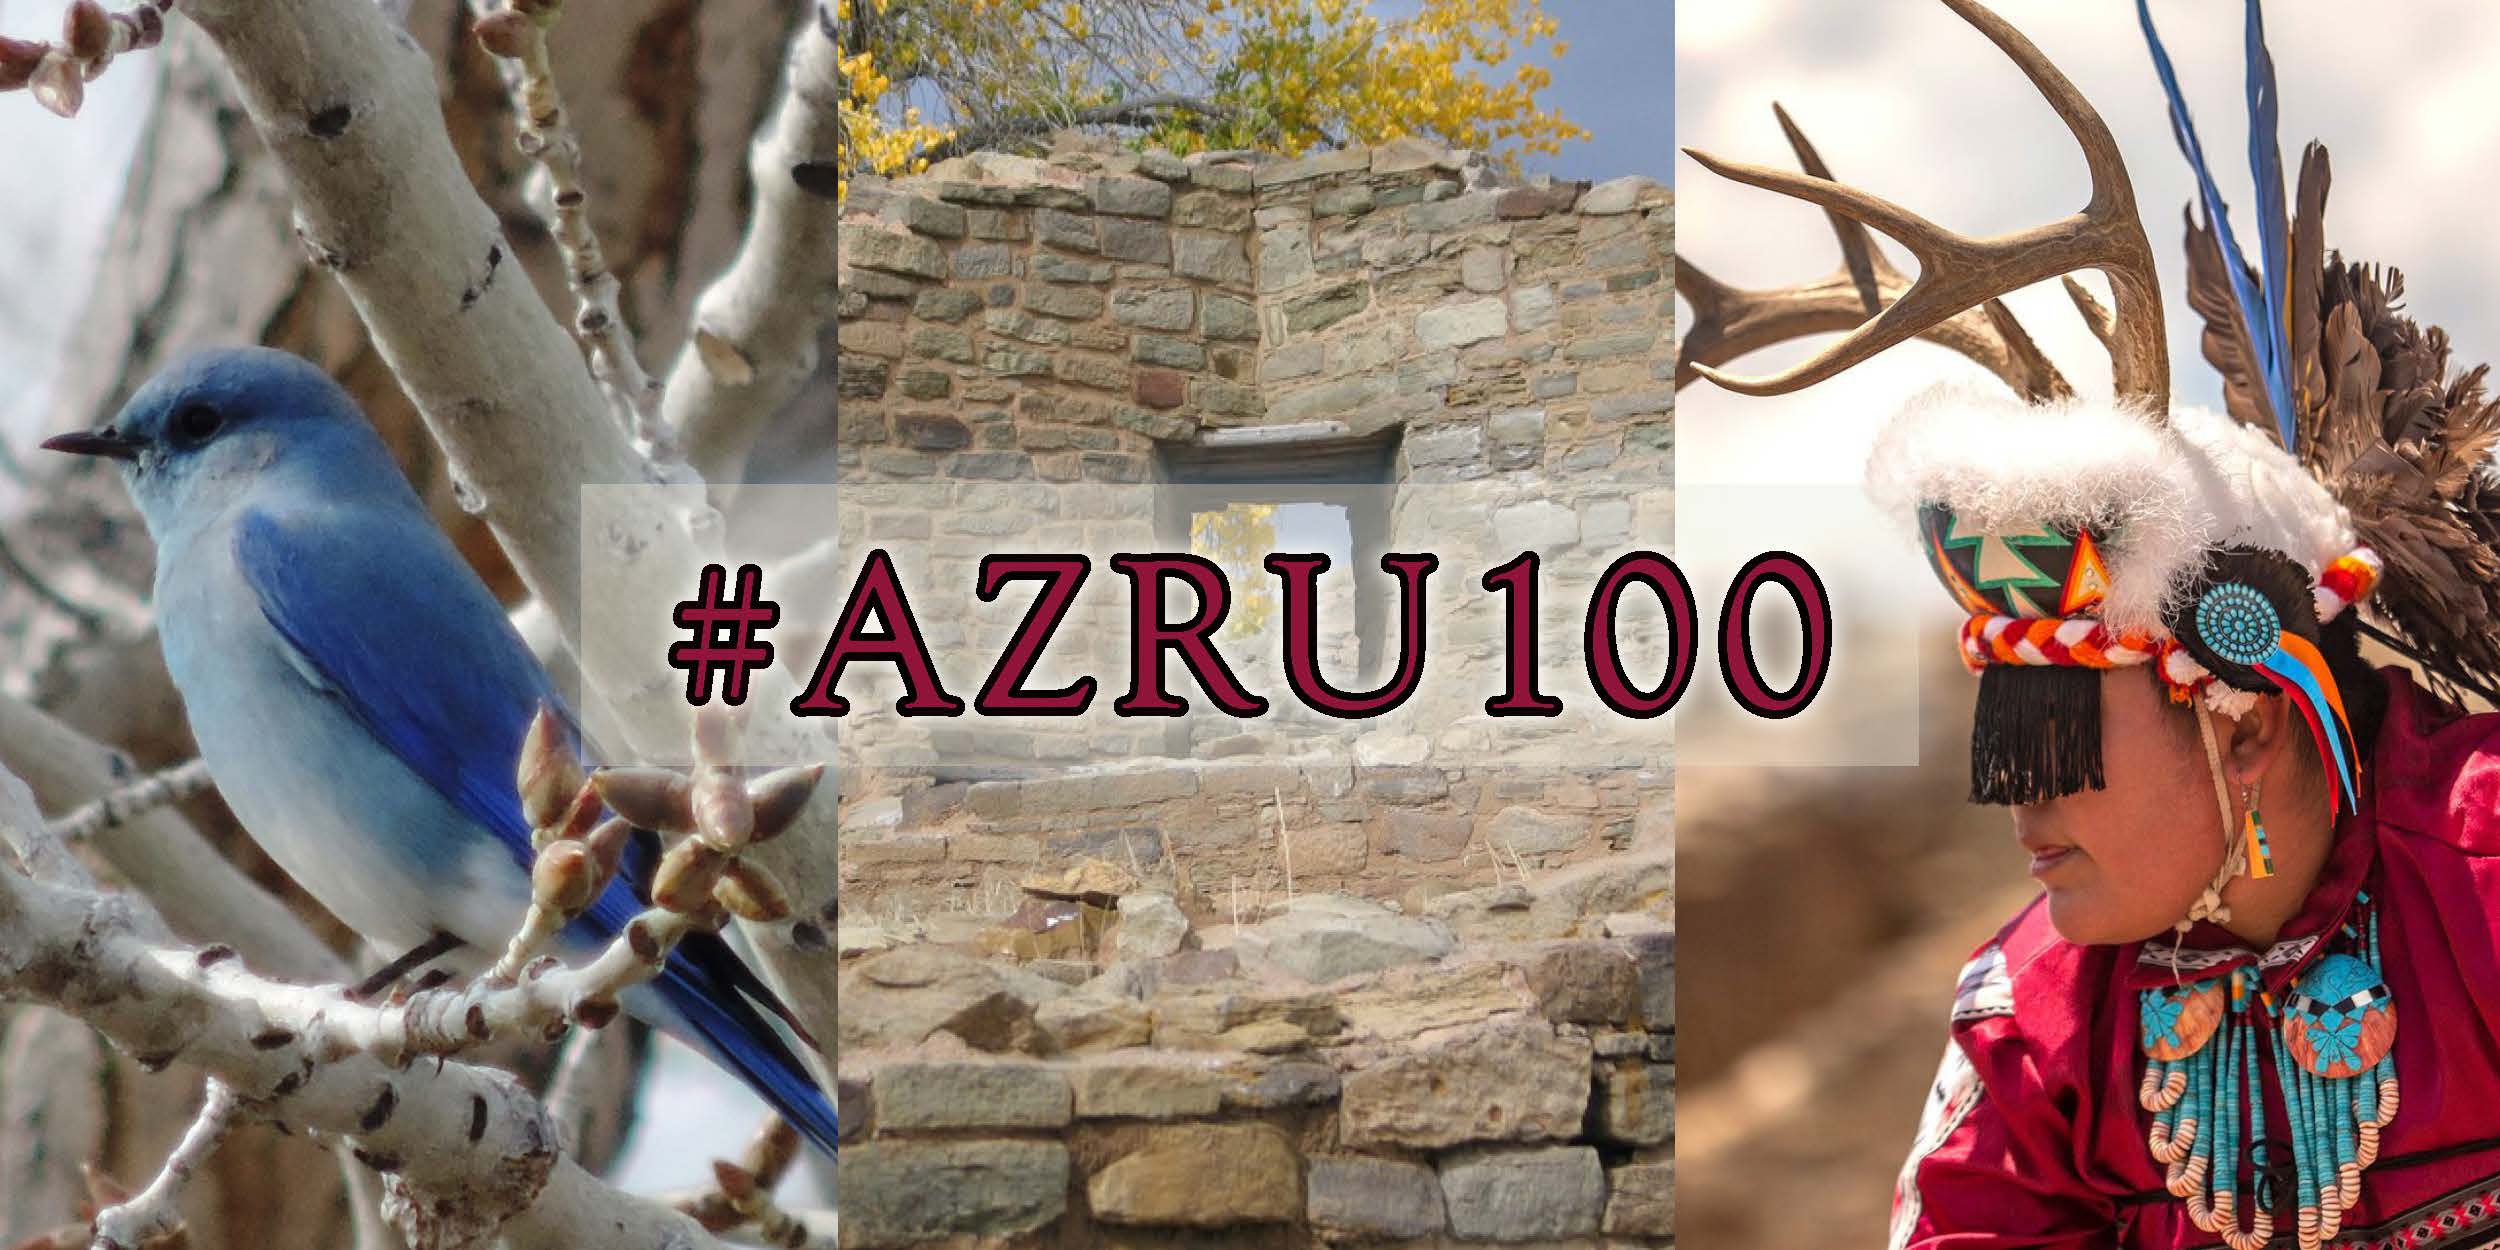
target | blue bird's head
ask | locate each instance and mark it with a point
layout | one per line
(203, 433)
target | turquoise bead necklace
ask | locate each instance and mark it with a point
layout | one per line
(2332, 1050)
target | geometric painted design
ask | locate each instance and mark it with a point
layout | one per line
(2023, 571)
(2339, 1019)
(2177, 1020)
(2088, 581)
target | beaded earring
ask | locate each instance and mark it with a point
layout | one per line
(2253, 833)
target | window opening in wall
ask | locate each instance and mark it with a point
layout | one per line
(1236, 496)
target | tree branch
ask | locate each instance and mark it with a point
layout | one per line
(517, 36)
(466, 1152)
(756, 326)
(152, 1213)
(135, 800)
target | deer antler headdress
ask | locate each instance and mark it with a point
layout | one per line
(2084, 535)
(2220, 548)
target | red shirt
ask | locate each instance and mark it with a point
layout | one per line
(2034, 1136)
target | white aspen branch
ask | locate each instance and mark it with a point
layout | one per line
(153, 1212)
(756, 327)
(203, 895)
(516, 35)
(466, 1153)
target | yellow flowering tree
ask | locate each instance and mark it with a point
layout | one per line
(927, 78)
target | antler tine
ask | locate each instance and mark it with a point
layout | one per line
(2095, 317)
(1728, 322)
(1958, 273)
(1857, 248)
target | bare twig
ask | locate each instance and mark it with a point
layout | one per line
(91, 620)
(741, 1196)
(517, 35)
(153, 1212)
(91, 36)
(134, 800)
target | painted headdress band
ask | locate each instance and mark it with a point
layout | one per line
(2232, 621)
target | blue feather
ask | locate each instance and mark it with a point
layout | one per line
(2260, 311)
(2265, 165)
(460, 727)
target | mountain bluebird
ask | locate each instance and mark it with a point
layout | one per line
(360, 697)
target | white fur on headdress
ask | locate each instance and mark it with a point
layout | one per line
(2162, 494)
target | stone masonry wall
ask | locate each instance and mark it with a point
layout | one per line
(1376, 825)
(1087, 319)
(1493, 1068)
(1017, 331)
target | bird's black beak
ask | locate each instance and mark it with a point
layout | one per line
(107, 442)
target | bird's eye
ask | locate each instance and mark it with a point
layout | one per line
(194, 424)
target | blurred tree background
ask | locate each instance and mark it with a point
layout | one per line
(929, 78)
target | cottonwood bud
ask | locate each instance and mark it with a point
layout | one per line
(19, 59)
(684, 881)
(548, 775)
(564, 878)
(652, 798)
(751, 894)
(575, 823)
(87, 29)
(57, 86)
(721, 808)
(606, 845)
(506, 34)
(736, 1183)
(779, 796)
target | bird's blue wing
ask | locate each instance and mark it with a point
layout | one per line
(392, 624)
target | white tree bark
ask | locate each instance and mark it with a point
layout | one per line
(466, 1152)
(755, 330)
